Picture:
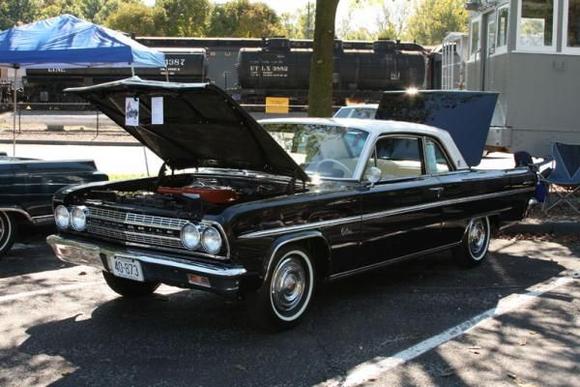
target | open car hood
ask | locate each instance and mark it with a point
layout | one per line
(466, 115)
(202, 126)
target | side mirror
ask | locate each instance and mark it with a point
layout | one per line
(374, 175)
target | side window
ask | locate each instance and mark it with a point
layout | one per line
(474, 44)
(397, 157)
(435, 159)
(491, 34)
(502, 26)
(571, 24)
(363, 113)
(343, 112)
(537, 24)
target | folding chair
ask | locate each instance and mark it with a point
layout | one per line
(565, 176)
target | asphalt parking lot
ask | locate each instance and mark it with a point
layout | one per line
(407, 324)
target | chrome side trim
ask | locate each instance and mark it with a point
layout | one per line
(443, 203)
(391, 261)
(43, 219)
(18, 210)
(291, 240)
(83, 253)
(301, 227)
(381, 214)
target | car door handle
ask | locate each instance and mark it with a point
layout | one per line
(437, 190)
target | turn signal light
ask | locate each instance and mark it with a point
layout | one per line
(198, 280)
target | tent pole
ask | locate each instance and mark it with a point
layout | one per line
(15, 103)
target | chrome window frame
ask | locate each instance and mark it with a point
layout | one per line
(416, 136)
(452, 167)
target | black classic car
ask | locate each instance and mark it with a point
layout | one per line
(27, 187)
(265, 212)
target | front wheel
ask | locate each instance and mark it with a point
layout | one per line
(475, 243)
(285, 295)
(8, 228)
(129, 288)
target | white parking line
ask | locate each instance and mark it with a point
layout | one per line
(50, 290)
(373, 369)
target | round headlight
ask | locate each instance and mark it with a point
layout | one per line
(78, 218)
(211, 240)
(190, 236)
(62, 217)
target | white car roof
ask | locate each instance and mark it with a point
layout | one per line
(377, 128)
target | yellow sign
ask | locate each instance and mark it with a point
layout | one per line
(277, 105)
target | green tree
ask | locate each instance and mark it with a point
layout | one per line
(299, 24)
(433, 19)
(52, 8)
(240, 18)
(322, 66)
(185, 17)
(139, 19)
(15, 12)
(97, 11)
(360, 33)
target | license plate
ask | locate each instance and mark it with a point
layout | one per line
(126, 267)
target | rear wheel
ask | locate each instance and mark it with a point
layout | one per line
(475, 243)
(129, 288)
(8, 228)
(286, 293)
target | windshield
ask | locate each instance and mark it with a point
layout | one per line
(323, 150)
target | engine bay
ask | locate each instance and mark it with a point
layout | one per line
(189, 193)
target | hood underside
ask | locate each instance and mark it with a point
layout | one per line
(201, 126)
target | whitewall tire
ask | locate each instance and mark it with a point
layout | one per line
(8, 229)
(475, 243)
(287, 291)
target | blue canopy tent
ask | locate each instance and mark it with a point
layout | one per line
(67, 41)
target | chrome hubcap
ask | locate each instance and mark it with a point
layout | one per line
(288, 285)
(477, 237)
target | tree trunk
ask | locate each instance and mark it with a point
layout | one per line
(322, 64)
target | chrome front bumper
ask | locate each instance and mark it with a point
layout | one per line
(157, 267)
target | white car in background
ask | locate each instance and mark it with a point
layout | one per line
(362, 111)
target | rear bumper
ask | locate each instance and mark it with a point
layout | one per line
(157, 267)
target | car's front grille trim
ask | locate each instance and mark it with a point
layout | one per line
(129, 236)
(145, 230)
(137, 219)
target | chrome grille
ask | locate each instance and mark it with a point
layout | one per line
(136, 219)
(104, 214)
(119, 226)
(146, 230)
(134, 237)
(155, 221)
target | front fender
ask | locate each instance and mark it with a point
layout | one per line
(291, 238)
(18, 210)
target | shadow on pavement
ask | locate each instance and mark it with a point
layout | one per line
(193, 338)
(31, 254)
(535, 346)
